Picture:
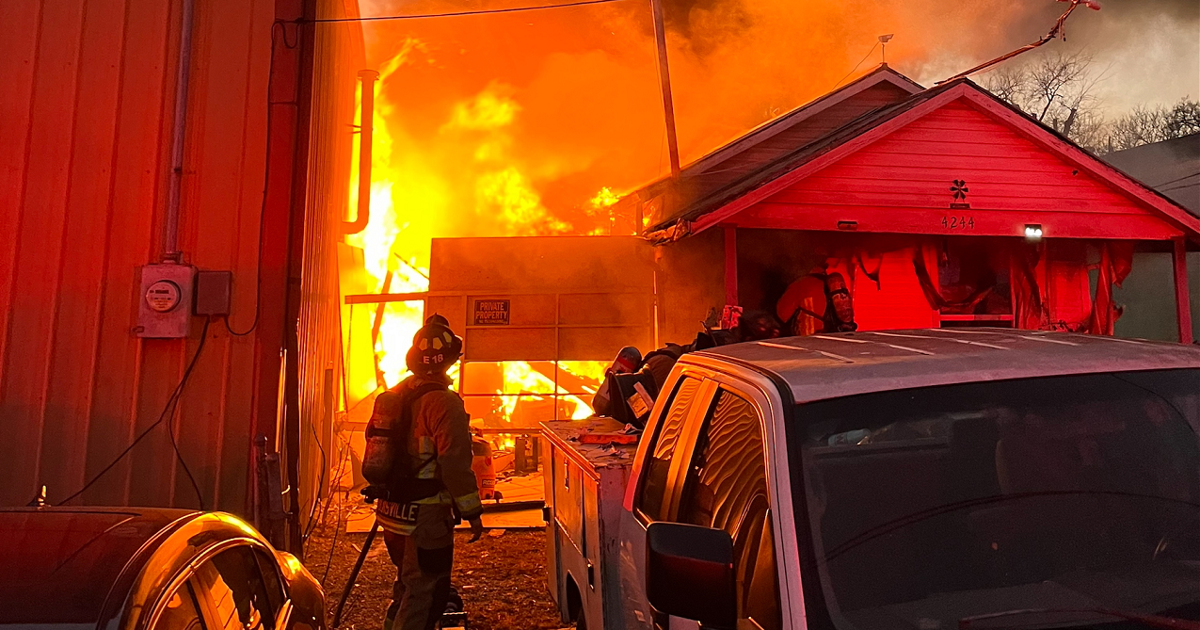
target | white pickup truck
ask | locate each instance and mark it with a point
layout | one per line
(911, 480)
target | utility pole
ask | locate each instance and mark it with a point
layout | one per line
(664, 75)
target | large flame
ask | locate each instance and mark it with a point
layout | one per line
(405, 195)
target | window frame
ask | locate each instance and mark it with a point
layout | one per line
(688, 480)
(672, 488)
(772, 398)
(203, 555)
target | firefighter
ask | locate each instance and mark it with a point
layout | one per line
(627, 362)
(818, 302)
(839, 314)
(418, 462)
(750, 326)
(756, 326)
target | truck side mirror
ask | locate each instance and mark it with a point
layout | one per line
(689, 573)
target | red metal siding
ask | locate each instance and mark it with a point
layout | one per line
(339, 56)
(892, 184)
(86, 107)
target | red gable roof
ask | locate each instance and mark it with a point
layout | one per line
(891, 169)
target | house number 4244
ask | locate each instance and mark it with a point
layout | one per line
(958, 223)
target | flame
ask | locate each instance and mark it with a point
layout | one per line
(605, 198)
(395, 242)
(508, 195)
(409, 196)
(524, 382)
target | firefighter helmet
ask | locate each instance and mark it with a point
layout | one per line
(435, 347)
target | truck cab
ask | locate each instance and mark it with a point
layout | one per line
(916, 480)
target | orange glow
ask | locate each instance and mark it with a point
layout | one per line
(406, 193)
(530, 123)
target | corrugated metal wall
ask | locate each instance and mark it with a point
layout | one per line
(86, 94)
(338, 58)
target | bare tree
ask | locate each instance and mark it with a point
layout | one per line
(1183, 119)
(1146, 125)
(1057, 90)
(1140, 126)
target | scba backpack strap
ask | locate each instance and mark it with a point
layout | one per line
(399, 479)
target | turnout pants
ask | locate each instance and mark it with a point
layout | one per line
(423, 562)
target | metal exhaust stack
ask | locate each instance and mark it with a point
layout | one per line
(366, 135)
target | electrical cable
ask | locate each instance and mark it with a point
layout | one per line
(312, 512)
(1177, 187)
(337, 474)
(344, 444)
(329, 503)
(1177, 183)
(381, 18)
(337, 529)
(168, 407)
(262, 212)
(171, 428)
(1179, 179)
(320, 482)
(865, 57)
(329, 500)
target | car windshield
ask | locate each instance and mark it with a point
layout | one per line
(1013, 504)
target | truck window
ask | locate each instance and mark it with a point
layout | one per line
(726, 488)
(982, 499)
(650, 500)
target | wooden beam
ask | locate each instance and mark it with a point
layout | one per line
(664, 76)
(1183, 305)
(379, 298)
(731, 266)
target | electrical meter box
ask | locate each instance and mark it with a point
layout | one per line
(165, 301)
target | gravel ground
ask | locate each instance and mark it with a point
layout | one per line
(502, 578)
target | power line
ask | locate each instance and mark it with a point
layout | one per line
(1177, 180)
(381, 18)
(865, 57)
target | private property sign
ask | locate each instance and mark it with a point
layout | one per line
(492, 312)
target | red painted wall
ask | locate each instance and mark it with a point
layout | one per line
(901, 183)
(86, 110)
(86, 104)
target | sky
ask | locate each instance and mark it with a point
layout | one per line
(1147, 50)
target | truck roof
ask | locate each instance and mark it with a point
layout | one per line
(822, 367)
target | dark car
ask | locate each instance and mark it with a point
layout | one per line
(153, 569)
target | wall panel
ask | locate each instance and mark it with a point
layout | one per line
(87, 110)
(339, 56)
